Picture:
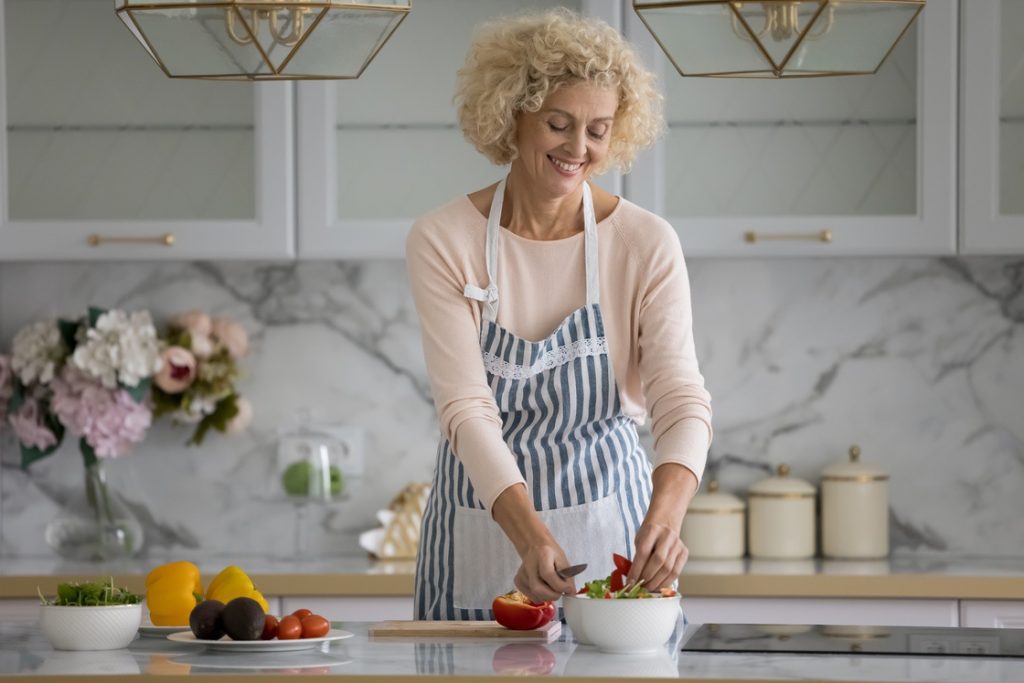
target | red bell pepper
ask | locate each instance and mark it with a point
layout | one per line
(621, 563)
(517, 612)
(617, 581)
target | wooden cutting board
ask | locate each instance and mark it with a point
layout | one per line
(462, 629)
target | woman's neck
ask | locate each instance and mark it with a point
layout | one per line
(533, 215)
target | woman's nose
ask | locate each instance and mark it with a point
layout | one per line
(577, 145)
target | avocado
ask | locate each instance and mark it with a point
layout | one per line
(243, 619)
(204, 620)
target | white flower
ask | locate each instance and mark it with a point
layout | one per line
(36, 351)
(122, 347)
(198, 408)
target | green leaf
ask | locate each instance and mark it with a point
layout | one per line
(218, 419)
(69, 333)
(17, 398)
(31, 454)
(94, 315)
(88, 452)
(140, 390)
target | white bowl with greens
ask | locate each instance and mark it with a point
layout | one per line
(90, 616)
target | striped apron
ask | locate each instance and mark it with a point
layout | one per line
(585, 471)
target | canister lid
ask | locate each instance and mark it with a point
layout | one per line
(854, 470)
(715, 501)
(782, 486)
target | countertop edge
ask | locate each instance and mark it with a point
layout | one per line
(341, 585)
(408, 678)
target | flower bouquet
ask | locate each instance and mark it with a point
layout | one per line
(103, 378)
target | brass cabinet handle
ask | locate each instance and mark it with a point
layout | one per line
(94, 240)
(821, 236)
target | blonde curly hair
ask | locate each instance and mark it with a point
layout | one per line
(515, 62)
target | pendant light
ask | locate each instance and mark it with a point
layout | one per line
(777, 38)
(262, 40)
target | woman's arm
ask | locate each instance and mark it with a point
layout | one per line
(539, 551)
(679, 405)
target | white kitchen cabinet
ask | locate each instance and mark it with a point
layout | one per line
(992, 613)
(992, 128)
(844, 611)
(377, 152)
(103, 156)
(869, 159)
(355, 608)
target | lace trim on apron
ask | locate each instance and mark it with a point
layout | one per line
(549, 359)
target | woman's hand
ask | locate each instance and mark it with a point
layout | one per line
(660, 555)
(659, 558)
(537, 577)
(538, 551)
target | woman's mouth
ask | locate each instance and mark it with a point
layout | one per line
(564, 167)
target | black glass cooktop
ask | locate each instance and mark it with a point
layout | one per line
(872, 640)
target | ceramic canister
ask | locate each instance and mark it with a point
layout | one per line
(714, 526)
(854, 509)
(781, 511)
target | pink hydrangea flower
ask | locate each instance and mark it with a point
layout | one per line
(109, 419)
(28, 426)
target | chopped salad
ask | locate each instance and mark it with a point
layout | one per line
(614, 585)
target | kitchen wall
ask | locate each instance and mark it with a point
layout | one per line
(920, 361)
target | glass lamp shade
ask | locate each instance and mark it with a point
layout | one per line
(777, 38)
(262, 40)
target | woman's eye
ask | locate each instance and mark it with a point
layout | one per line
(557, 129)
(597, 135)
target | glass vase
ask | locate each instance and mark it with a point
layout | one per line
(95, 525)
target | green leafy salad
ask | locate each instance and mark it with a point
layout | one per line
(91, 594)
(614, 586)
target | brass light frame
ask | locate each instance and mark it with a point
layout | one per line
(810, 31)
(235, 12)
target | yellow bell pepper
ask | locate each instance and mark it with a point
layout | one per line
(172, 590)
(233, 583)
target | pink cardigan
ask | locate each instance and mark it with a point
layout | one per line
(645, 301)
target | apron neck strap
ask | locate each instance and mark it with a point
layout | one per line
(494, 240)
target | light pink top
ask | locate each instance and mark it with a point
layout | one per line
(645, 302)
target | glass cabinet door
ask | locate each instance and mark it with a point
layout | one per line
(105, 157)
(378, 151)
(992, 100)
(833, 165)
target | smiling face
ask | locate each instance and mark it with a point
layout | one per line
(562, 144)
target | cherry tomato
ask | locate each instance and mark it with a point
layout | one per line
(315, 626)
(302, 613)
(289, 628)
(269, 628)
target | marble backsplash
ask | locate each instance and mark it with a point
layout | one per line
(920, 361)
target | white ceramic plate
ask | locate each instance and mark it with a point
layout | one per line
(150, 631)
(225, 644)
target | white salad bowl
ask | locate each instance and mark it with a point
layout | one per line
(624, 626)
(107, 627)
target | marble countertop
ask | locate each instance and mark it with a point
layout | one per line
(25, 652)
(897, 577)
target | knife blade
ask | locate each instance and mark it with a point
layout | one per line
(571, 571)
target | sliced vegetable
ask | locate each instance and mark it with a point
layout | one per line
(621, 563)
(516, 611)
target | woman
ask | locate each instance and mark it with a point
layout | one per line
(554, 316)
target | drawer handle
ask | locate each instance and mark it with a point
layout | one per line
(94, 240)
(821, 236)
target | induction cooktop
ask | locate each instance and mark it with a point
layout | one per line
(872, 640)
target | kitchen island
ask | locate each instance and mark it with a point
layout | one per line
(25, 654)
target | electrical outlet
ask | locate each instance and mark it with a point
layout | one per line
(350, 447)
